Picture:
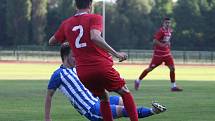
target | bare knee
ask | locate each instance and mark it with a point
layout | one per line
(120, 101)
(123, 90)
(119, 110)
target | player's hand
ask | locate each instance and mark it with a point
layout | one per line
(122, 56)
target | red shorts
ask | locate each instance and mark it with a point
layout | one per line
(158, 60)
(97, 79)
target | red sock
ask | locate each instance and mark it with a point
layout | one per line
(172, 76)
(106, 111)
(144, 73)
(130, 106)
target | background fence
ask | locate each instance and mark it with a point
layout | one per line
(135, 56)
(180, 57)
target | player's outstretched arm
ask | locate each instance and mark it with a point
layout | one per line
(48, 102)
(95, 36)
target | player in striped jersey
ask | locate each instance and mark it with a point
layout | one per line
(66, 80)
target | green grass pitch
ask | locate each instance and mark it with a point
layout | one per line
(23, 87)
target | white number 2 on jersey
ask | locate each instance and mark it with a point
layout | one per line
(77, 41)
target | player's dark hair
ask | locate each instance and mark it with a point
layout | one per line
(64, 50)
(166, 19)
(82, 4)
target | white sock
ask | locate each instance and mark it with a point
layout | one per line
(173, 84)
(152, 111)
(139, 80)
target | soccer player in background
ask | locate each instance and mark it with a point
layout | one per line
(66, 80)
(161, 54)
(93, 61)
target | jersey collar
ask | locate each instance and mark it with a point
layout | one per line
(82, 13)
(64, 67)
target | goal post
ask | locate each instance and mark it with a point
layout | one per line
(103, 14)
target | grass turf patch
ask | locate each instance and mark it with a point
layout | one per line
(24, 101)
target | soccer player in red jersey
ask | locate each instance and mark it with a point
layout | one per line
(92, 58)
(161, 54)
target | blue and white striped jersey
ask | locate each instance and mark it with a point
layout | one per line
(67, 81)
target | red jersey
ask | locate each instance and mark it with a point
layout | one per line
(163, 35)
(76, 30)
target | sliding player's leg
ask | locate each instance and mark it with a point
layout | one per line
(118, 110)
(142, 111)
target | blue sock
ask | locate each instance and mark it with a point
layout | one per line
(142, 112)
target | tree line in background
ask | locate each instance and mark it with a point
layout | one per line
(130, 24)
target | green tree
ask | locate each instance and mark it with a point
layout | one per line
(67, 8)
(58, 10)
(18, 15)
(3, 22)
(208, 13)
(161, 9)
(193, 23)
(134, 24)
(185, 23)
(39, 11)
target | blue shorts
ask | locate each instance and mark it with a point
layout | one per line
(95, 115)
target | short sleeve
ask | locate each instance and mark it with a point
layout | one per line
(60, 34)
(96, 23)
(158, 35)
(55, 81)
